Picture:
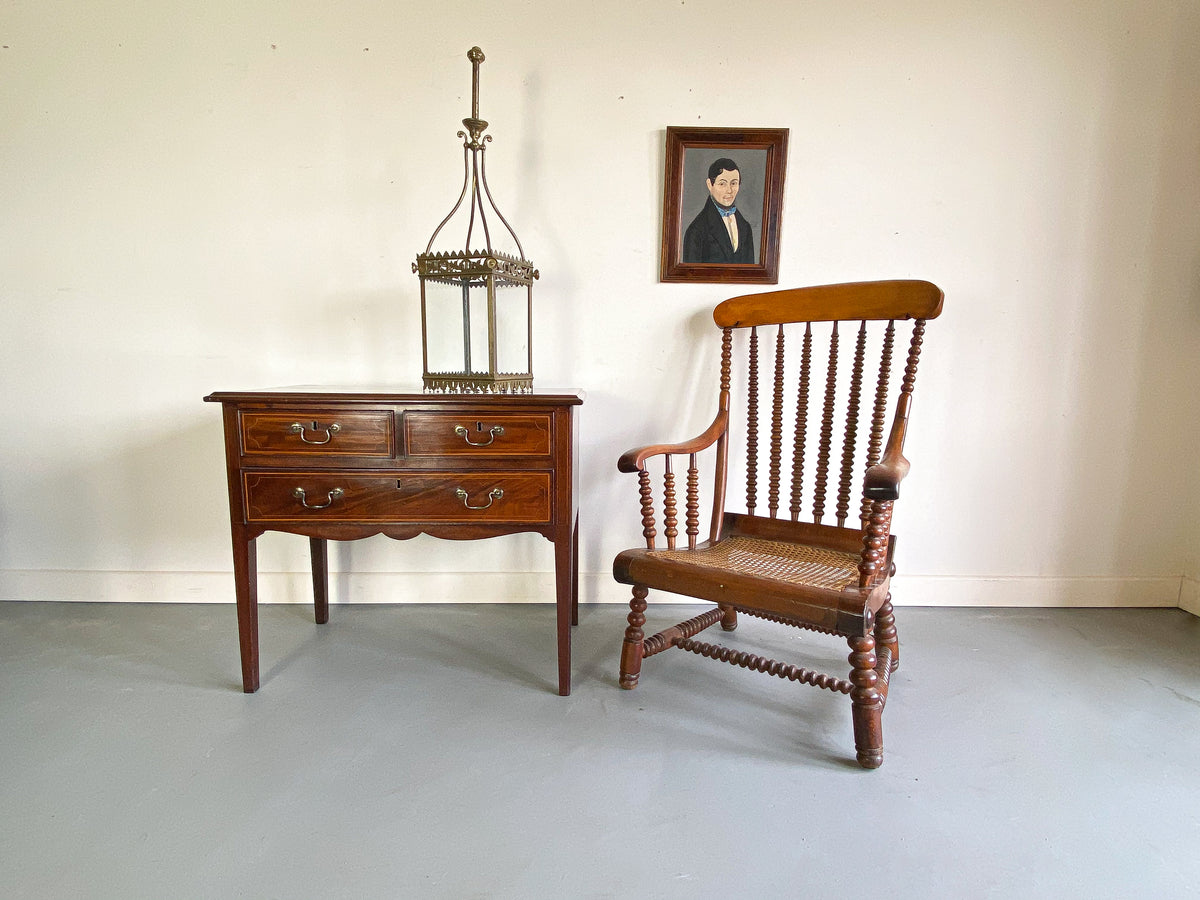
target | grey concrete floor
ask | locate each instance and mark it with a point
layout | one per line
(422, 752)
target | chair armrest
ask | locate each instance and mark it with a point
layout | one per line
(882, 480)
(633, 460)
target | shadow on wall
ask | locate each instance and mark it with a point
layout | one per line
(675, 399)
(1146, 217)
(365, 337)
(150, 505)
(557, 292)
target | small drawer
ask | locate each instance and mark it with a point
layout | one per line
(324, 432)
(468, 434)
(443, 497)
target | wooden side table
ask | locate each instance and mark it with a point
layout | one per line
(343, 464)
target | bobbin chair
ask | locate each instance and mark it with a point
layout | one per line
(787, 566)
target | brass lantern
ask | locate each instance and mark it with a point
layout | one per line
(476, 303)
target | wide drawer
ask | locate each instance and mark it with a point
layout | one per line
(324, 432)
(398, 497)
(469, 434)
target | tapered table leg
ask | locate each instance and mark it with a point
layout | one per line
(566, 600)
(245, 576)
(320, 578)
(575, 572)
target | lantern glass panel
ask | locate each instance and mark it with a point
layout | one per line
(512, 329)
(455, 331)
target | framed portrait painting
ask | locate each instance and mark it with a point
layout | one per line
(722, 204)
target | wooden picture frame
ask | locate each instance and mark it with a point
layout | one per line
(693, 246)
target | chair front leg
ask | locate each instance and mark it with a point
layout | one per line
(631, 650)
(885, 631)
(866, 704)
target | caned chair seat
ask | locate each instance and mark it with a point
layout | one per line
(779, 561)
(820, 443)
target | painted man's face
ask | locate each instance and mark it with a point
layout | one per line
(724, 187)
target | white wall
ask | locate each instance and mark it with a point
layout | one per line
(229, 195)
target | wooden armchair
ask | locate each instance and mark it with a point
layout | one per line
(830, 578)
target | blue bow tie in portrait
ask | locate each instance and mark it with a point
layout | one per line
(723, 210)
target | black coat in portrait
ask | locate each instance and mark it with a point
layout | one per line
(707, 239)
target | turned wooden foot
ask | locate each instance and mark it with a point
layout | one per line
(729, 619)
(866, 703)
(631, 650)
(885, 631)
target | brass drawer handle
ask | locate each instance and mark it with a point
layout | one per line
(298, 493)
(330, 431)
(494, 495)
(463, 433)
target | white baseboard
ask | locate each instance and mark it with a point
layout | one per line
(538, 587)
(278, 587)
(1021, 591)
(1189, 596)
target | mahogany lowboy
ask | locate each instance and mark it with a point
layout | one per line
(343, 464)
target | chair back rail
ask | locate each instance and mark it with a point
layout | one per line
(870, 300)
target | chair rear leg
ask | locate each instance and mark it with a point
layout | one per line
(631, 650)
(866, 703)
(885, 630)
(729, 619)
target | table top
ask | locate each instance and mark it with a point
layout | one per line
(323, 393)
